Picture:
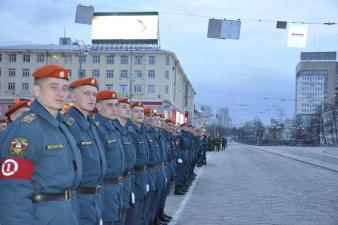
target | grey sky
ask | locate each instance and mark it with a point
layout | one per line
(254, 76)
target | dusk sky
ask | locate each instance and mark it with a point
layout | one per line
(253, 76)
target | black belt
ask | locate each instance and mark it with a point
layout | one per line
(89, 190)
(66, 196)
(141, 168)
(114, 180)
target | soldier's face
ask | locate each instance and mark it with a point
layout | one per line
(157, 121)
(137, 115)
(85, 97)
(148, 120)
(18, 113)
(108, 108)
(124, 111)
(52, 93)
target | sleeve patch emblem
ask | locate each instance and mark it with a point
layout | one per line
(18, 146)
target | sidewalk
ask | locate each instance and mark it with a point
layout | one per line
(326, 157)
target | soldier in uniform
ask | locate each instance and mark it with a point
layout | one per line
(107, 105)
(85, 133)
(155, 174)
(41, 165)
(141, 180)
(164, 158)
(124, 132)
(168, 132)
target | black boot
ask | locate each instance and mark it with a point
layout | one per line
(165, 215)
(162, 219)
(178, 190)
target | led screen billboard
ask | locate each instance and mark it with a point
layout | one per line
(126, 27)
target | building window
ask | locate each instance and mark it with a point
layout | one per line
(40, 58)
(166, 75)
(25, 72)
(110, 59)
(25, 87)
(96, 59)
(96, 73)
(138, 74)
(82, 59)
(166, 89)
(12, 57)
(11, 86)
(26, 58)
(151, 88)
(151, 73)
(109, 86)
(138, 59)
(123, 88)
(11, 72)
(82, 73)
(151, 59)
(124, 74)
(167, 60)
(124, 59)
(137, 88)
(110, 73)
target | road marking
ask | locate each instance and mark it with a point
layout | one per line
(187, 196)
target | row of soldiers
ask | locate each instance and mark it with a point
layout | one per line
(217, 143)
(117, 165)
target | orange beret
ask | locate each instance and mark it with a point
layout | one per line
(84, 81)
(136, 104)
(123, 100)
(106, 94)
(148, 111)
(17, 106)
(54, 71)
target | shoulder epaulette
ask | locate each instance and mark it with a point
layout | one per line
(70, 121)
(29, 118)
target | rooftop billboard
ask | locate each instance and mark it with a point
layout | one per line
(125, 28)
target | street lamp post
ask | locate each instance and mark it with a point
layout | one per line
(83, 50)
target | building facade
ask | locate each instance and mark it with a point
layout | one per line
(316, 84)
(150, 75)
(223, 117)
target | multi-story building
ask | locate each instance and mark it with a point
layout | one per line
(206, 112)
(316, 84)
(145, 74)
(223, 117)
